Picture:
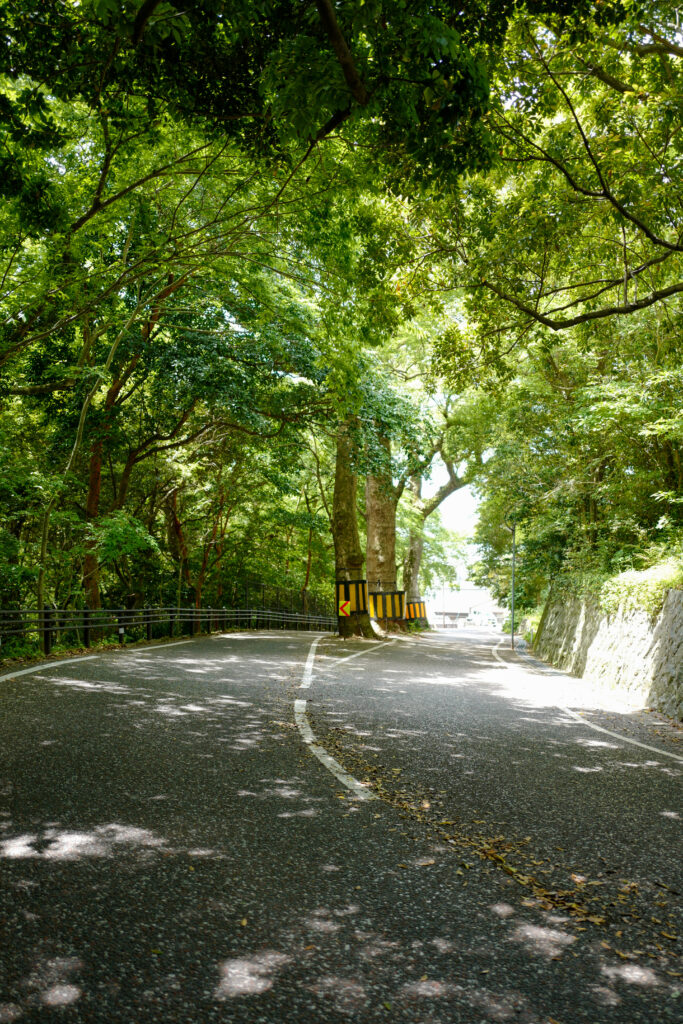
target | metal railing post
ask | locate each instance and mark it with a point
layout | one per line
(121, 629)
(86, 627)
(47, 631)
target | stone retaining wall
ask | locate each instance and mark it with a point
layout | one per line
(627, 649)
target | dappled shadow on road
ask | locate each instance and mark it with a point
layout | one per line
(123, 921)
(53, 843)
(577, 816)
(224, 889)
(154, 934)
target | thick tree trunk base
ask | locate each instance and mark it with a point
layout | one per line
(393, 625)
(356, 624)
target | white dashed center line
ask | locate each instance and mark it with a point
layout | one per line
(360, 791)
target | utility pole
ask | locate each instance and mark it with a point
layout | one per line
(512, 602)
(512, 530)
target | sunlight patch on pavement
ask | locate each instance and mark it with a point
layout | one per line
(250, 975)
(550, 942)
(65, 845)
(61, 995)
(545, 687)
(553, 688)
(348, 996)
(86, 684)
(632, 974)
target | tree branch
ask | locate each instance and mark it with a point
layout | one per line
(141, 19)
(582, 318)
(454, 483)
(610, 80)
(342, 51)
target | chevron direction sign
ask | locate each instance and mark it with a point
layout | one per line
(344, 608)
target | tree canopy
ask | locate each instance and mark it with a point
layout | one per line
(234, 233)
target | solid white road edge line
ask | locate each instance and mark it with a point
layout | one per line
(156, 647)
(88, 657)
(598, 728)
(47, 664)
(617, 735)
(360, 791)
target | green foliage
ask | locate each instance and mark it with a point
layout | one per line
(643, 589)
(199, 283)
(118, 535)
(443, 549)
(586, 460)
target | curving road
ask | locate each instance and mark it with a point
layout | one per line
(177, 845)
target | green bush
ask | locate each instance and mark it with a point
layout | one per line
(642, 588)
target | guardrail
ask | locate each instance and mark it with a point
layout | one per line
(83, 627)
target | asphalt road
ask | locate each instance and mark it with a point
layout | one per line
(171, 849)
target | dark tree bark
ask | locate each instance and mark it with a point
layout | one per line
(348, 555)
(381, 500)
(413, 557)
(91, 567)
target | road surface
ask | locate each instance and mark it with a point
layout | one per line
(247, 828)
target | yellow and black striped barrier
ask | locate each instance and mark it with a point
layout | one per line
(352, 597)
(388, 605)
(415, 610)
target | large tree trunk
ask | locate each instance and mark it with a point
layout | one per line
(380, 505)
(348, 555)
(413, 556)
(180, 544)
(91, 565)
(411, 567)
